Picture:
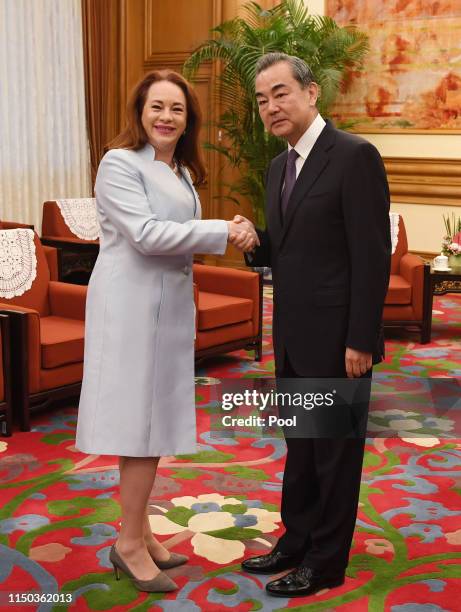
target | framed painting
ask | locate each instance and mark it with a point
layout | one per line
(411, 81)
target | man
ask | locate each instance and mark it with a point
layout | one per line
(328, 244)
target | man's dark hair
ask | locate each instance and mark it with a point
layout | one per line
(300, 70)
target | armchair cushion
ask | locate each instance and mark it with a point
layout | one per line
(216, 310)
(61, 341)
(399, 291)
(230, 283)
(67, 300)
(221, 335)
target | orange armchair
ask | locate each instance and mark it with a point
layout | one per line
(228, 310)
(78, 256)
(47, 327)
(53, 255)
(6, 417)
(405, 300)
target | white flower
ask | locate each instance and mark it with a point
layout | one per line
(427, 442)
(454, 246)
(216, 549)
(212, 498)
(404, 424)
(209, 517)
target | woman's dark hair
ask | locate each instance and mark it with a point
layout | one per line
(134, 137)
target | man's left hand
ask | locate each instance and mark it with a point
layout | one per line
(357, 363)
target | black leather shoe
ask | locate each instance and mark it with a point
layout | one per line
(303, 581)
(272, 563)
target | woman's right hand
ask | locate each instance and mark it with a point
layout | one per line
(242, 235)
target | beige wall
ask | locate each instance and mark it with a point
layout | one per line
(423, 222)
(316, 7)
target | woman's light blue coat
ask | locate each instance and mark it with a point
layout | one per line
(137, 394)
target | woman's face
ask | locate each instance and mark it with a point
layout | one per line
(164, 115)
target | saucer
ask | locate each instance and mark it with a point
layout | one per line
(441, 269)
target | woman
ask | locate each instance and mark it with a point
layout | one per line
(137, 398)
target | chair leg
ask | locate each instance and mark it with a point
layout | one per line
(24, 414)
(425, 333)
(428, 296)
(6, 426)
(259, 350)
(20, 367)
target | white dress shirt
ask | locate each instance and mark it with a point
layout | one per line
(307, 141)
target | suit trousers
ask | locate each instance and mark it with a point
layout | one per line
(320, 495)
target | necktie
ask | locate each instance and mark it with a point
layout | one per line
(290, 179)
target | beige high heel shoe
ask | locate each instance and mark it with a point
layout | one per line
(160, 584)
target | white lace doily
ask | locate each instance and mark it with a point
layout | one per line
(18, 262)
(80, 217)
(394, 219)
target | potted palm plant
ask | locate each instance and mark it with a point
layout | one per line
(329, 50)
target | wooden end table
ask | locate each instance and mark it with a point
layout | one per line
(439, 284)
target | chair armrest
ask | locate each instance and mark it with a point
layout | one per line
(411, 264)
(412, 270)
(67, 300)
(227, 281)
(52, 257)
(14, 225)
(25, 338)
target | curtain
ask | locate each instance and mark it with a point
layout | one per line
(43, 137)
(101, 46)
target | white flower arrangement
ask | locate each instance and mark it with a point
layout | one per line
(451, 244)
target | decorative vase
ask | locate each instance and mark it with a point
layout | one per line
(454, 261)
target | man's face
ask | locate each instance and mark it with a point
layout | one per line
(285, 108)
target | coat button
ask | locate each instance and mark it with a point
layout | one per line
(186, 270)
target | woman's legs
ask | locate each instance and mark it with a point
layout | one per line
(155, 548)
(137, 475)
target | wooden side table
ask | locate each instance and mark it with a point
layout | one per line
(439, 284)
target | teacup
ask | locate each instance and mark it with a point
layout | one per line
(440, 262)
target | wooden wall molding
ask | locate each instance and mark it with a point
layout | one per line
(165, 58)
(424, 180)
(426, 255)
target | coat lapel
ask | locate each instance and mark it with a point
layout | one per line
(314, 165)
(197, 207)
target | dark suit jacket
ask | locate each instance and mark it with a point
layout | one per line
(330, 257)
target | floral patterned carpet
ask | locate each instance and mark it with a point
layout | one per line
(59, 509)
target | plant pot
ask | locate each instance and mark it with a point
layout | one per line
(454, 262)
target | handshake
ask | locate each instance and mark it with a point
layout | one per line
(242, 234)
